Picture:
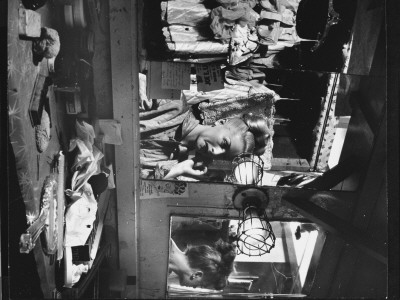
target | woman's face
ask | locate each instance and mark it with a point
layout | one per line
(219, 141)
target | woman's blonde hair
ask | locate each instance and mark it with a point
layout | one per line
(255, 132)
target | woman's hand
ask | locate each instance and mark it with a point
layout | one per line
(186, 168)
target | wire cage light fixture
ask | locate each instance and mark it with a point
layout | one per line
(247, 169)
(255, 236)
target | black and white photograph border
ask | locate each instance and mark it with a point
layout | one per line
(152, 118)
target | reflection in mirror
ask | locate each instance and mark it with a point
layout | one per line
(204, 261)
(313, 35)
(296, 122)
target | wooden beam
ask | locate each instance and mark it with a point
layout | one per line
(336, 225)
(278, 164)
(288, 246)
(125, 93)
(366, 24)
(290, 164)
(315, 259)
(393, 94)
(345, 271)
(372, 117)
(331, 256)
(337, 202)
(373, 181)
(335, 175)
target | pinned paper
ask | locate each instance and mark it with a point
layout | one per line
(154, 88)
(111, 131)
(175, 75)
(157, 189)
(209, 77)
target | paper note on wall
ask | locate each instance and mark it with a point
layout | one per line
(209, 77)
(153, 190)
(111, 131)
(154, 88)
(175, 75)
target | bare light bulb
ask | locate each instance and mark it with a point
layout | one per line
(255, 234)
(246, 173)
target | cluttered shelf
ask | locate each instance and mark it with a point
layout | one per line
(60, 159)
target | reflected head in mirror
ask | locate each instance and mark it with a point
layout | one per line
(203, 265)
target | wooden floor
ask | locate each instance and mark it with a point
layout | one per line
(27, 279)
(34, 274)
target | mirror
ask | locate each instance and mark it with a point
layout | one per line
(304, 120)
(287, 271)
(317, 35)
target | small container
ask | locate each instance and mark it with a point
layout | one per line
(72, 98)
(73, 104)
